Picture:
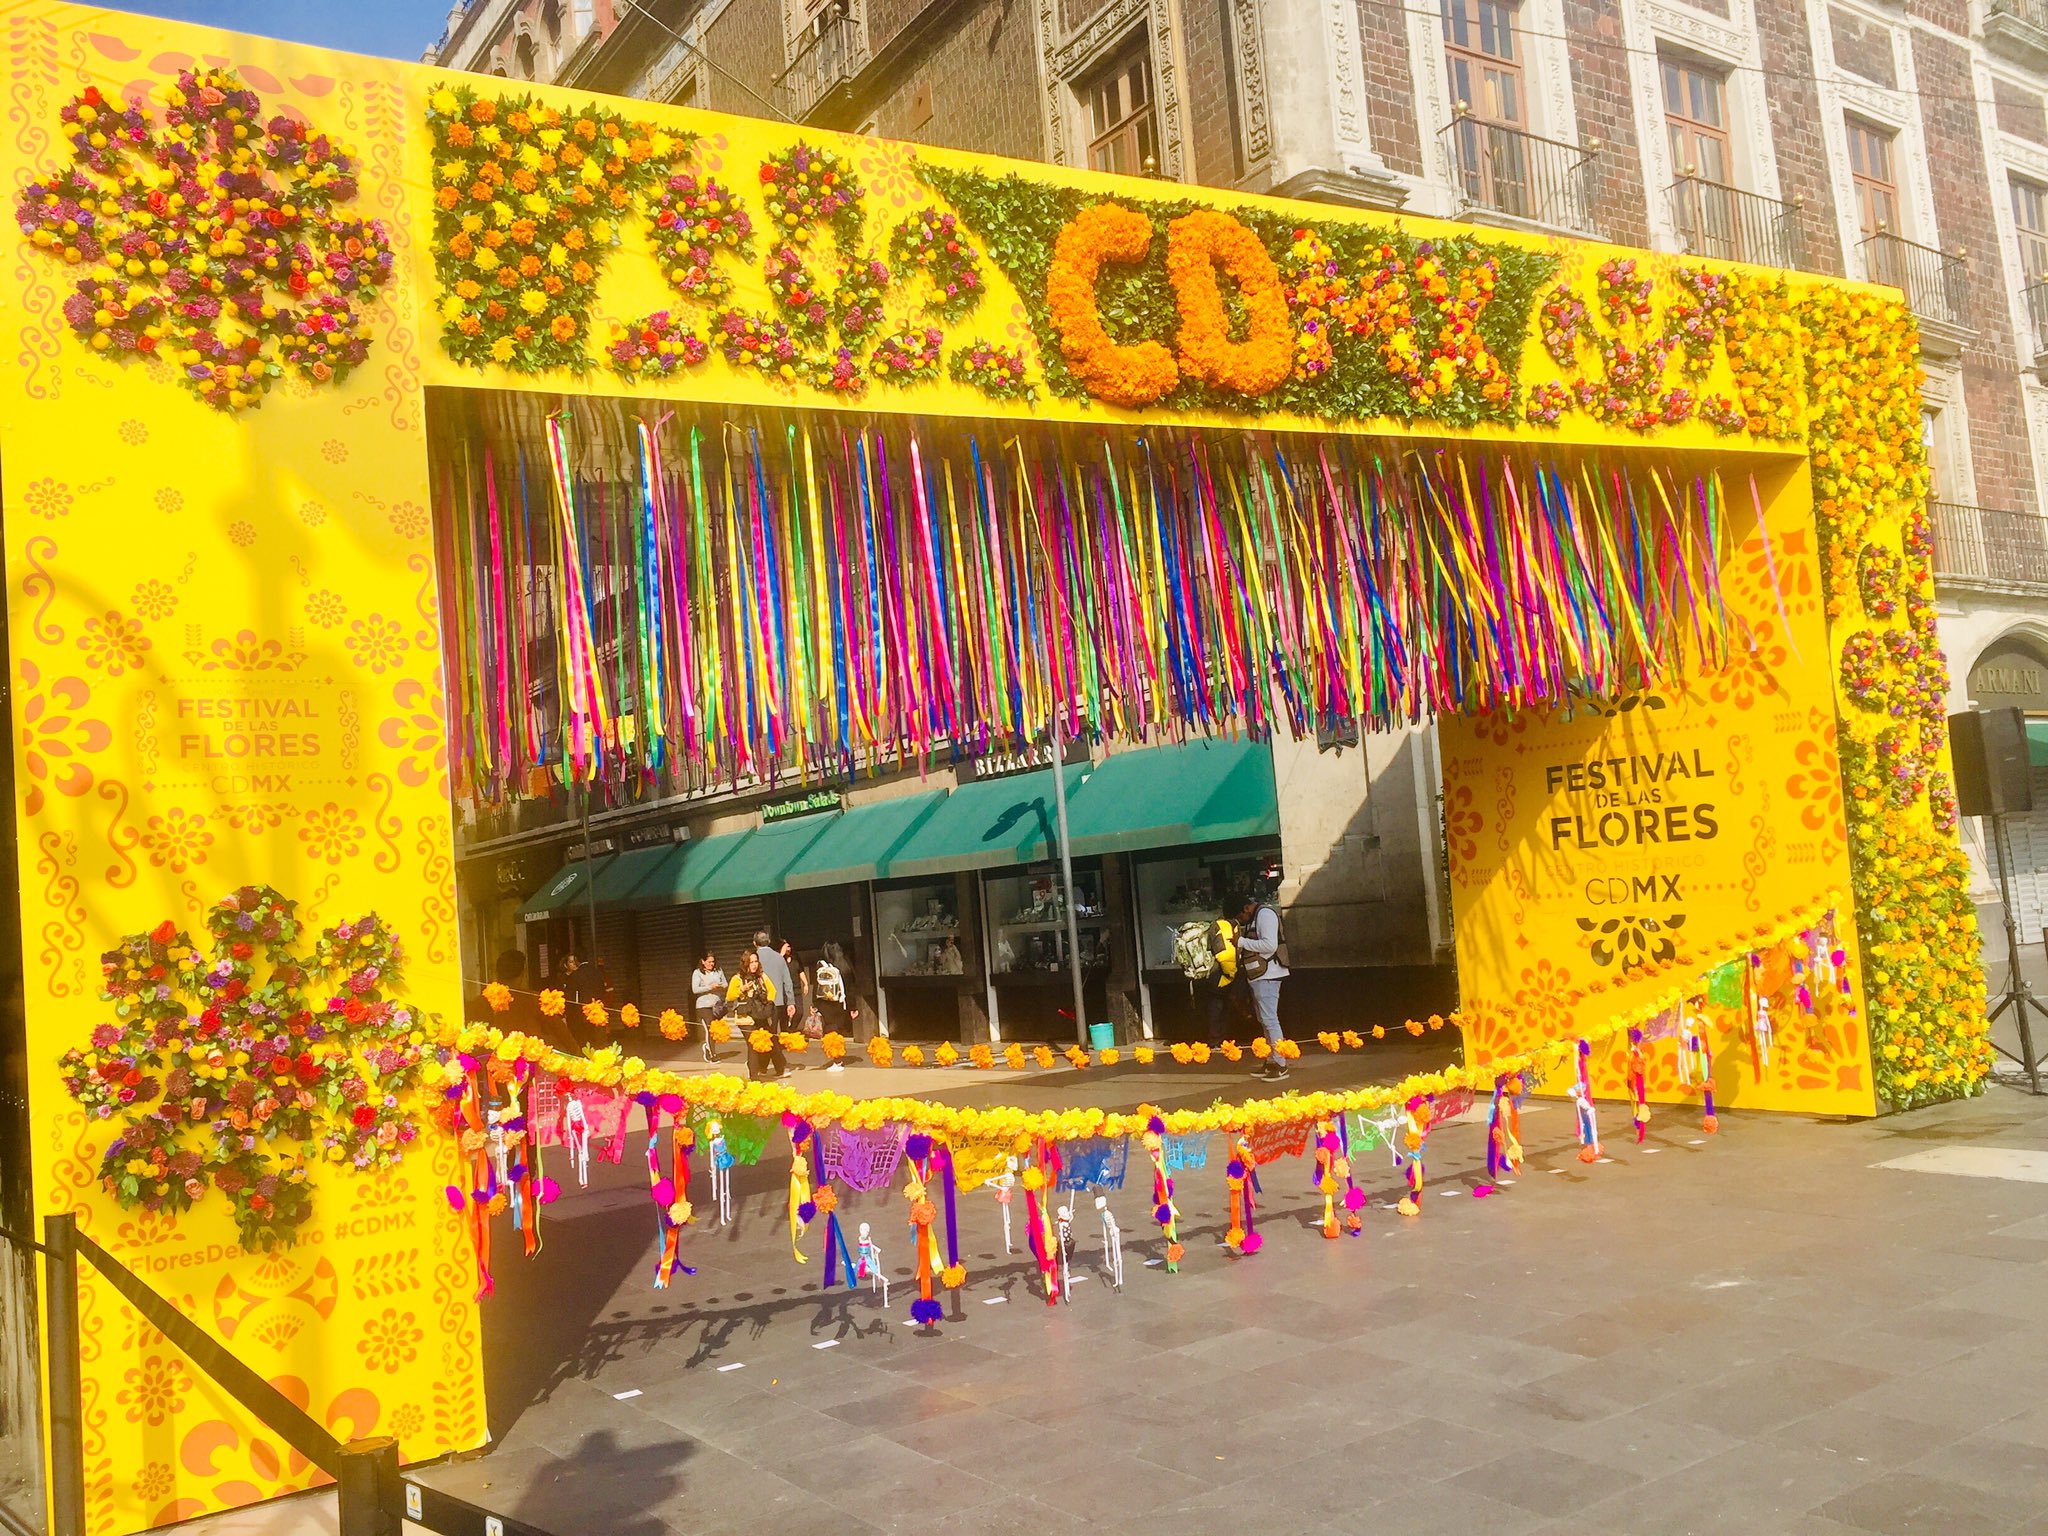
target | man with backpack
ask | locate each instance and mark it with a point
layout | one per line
(1262, 963)
(1206, 952)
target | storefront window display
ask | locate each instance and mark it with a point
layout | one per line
(1027, 948)
(922, 955)
(1182, 888)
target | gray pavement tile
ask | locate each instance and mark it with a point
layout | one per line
(1912, 1503)
(1246, 1349)
(1775, 1392)
(1428, 1450)
(1645, 1442)
(1544, 1481)
(1994, 1465)
(1015, 1514)
(860, 1471)
(1110, 1489)
(2027, 1427)
(1965, 1394)
(1853, 1430)
(974, 1437)
(881, 1412)
(1444, 1509)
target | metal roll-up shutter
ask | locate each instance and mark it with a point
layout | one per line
(667, 943)
(729, 927)
(615, 948)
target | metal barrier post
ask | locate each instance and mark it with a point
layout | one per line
(67, 1401)
(367, 1485)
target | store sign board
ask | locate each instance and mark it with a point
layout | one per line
(1678, 820)
(2010, 675)
(815, 803)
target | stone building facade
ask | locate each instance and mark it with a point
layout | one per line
(1900, 140)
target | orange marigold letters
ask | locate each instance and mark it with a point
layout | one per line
(1122, 375)
(1196, 245)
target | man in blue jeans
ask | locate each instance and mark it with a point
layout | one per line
(1261, 950)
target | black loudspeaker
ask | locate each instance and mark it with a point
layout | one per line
(1994, 776)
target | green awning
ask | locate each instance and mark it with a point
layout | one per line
(987, 824)
(618, 880)
(733, 864)
(1205, 791)
(2037, 743)
(560, 890)
(856, 844)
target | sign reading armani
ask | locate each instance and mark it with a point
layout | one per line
(2010, 675)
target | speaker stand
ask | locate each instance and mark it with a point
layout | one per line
(2018, 996)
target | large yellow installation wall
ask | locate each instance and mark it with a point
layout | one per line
(1587, 854)
(227, 671)
(221, 585)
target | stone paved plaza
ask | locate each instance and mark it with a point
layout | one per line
(1766, 1330)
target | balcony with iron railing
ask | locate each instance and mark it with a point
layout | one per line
(1734, 225)
(1519, 175)
(1936, 283)
(1989, 545)
(2018, 29)
(2035, 297)
(818, 85)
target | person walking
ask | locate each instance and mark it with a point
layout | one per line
(828, 993)
(1262, 963)
(777, 971)
(800, 980)
(707, 989)
(751, 1000)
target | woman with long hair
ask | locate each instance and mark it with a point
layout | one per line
(751, 1003)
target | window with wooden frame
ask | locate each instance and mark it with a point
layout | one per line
(1872, 179)
(1484, 59)
(1123, 121)
(1696, 120)
(2030, 219)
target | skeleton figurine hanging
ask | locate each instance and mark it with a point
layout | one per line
(867, 1265)
(1063, 1243)
(1112, 1243)
(1333, 1172)
(1760, 1035)
(1164, 1211)
(1005, 1184)
(575, 1133)
(720, 1157)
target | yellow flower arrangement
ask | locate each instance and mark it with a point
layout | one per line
(673, 1025)
(553, 1002)
(499, 996)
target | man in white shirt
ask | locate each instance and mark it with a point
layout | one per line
(1262, 963)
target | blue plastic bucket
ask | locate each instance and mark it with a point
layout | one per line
(1101, 1036)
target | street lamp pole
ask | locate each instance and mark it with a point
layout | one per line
(1059, 801)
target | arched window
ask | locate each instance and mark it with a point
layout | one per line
(525, 61)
